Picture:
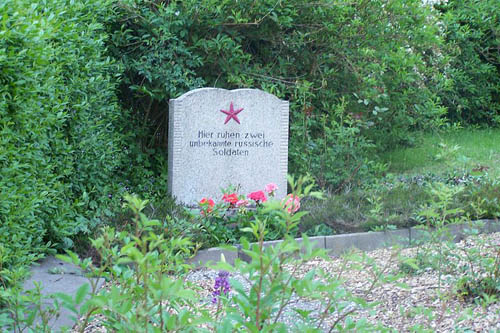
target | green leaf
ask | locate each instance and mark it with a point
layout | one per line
(81, 293)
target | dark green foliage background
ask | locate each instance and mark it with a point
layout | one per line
(84, 90)
(357, 73)
(472, 30)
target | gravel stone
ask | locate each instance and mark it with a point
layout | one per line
(411, 302)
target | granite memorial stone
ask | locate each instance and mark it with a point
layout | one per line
(220, 138)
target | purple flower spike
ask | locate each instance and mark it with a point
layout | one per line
(221, 286)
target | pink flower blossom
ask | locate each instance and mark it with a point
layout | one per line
(207, 205)
(270, 188)
(292, 203)
(257, 196)
(242, 202)
(230, 198)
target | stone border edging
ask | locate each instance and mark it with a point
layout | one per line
(339, 244)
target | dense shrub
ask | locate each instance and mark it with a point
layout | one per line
(59, 144)
(354, 72)
(472, 29)
(481, 200)
(359, 75)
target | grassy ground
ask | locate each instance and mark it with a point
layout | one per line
(468, 149)
(444, 157)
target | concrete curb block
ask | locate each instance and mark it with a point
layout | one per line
(365, 241)
(317, 242)
(456, 232)
(55, 276)
(493, 226)
(213, 254)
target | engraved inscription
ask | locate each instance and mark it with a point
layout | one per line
(226, 143)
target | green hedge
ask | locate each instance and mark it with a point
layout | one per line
(60, 148)
(360, 77)
(358, 74)
(472, 30)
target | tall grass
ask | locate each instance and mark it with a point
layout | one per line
(468, 149)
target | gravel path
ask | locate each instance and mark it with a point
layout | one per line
(416, 302)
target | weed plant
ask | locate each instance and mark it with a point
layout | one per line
(473, 271)
(147, 290)
(396, 201)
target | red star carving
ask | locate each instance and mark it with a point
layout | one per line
(232, 113)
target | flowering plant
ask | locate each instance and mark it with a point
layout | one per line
(221, 287)
(257, 196)
(261, 305)
(271, 188)
(291, 203)
(242, 203)
(225, 221)
(207, 205)
(232, 198)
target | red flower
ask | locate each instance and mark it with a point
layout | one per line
(230, 198)
(258, 196)
(207, 205)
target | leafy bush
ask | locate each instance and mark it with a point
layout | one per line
(481, 274)
(474, 270)
(356, 73)
(481, 200)
(59, 125)
(472, 29)
(148, 291)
